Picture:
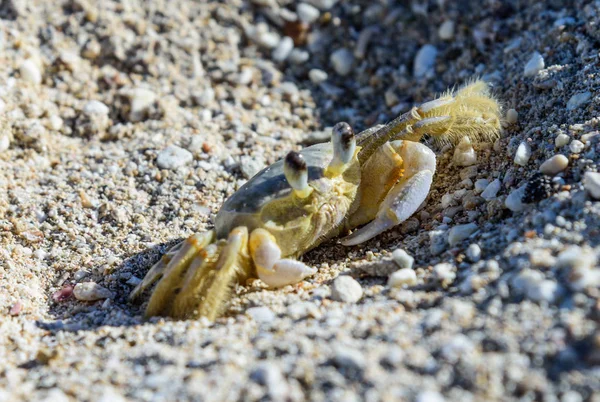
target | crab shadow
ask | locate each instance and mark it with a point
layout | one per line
(73, 315)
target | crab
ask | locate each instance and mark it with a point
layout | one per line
(369, 183)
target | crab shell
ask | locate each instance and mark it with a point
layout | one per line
(266, 201)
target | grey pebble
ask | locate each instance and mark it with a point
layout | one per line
(346, 289)
(173, 157)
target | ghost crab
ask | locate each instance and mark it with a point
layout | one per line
(379, 177)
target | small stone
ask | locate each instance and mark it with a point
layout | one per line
(298, 56)
(307, 13)
(424, 61)
(554, 165)
(141, 100)
(523, 154)
(544, 291)
(269, 375)
(346, 289)
(55, 122)
(342, 61)
(173, 157)
(514, 201)
(4, 142)
(445, 273)
(30, 72)
(91, 291)
(323, 4)
(405, 276)
(283, 49)
(438, 241)
(576, 146)
(349, 359)
(261, 314)
(133, 281)
(300, 310)
(481, 185)
(561, 140)
(491, 190)
(473, 252)
(95, 107)
(534, 65)
(446, 30)
(402, 258)
(429, 396)
(250, 166)
(512, 116)
(591, 183)
(464, 154)
(317, 76)
(578, 100)
(461, 232)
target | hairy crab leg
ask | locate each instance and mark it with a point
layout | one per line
(406, 196)
(470, 111)
(156, 272)
(270, 267)
(177, 266)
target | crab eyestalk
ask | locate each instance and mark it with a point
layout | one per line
(296, 174)
(344, 147)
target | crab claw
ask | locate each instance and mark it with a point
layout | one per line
(271, 269)
(344, 147)
(406, 196)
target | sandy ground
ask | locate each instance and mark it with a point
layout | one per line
(125, 124)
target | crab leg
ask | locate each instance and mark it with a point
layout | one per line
(270, 267)
(406, 196)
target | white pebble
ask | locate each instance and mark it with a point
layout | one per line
(404, 276)
(307, 13)
(346, 289)
(534, 65)
(546, 290)
(298, 56)
(523, 154)
(283, 49)
(4, 142)
(429, 396)
(491, 190)
(444, 272)
(473, 252)
(90, 291)
(481, 185)
(55, 122)
(514, 201)
(461, 232)
(173, 157)
(554, 165)
(591, 183)
(323, 4)
(317, 76)
(576, 146)
(424, 62)
(578, 100)
(446, 30)
(261, 314)
(342, 61)
(464, 154)
(402, 258)
(141, 99)
(95, 107)
(561, 140)
(30, 72)
(512, 116)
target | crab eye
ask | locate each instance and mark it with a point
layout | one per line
(296, 173)
(344, 146)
